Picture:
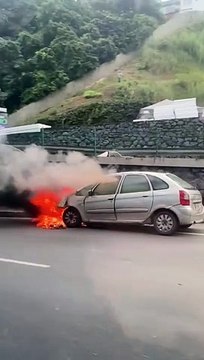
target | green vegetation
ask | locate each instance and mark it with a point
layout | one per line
(93, 114)
(44, 44)
(177, 63)
(90, 94)
(172, 69)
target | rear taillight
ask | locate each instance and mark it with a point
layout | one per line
(184, 198)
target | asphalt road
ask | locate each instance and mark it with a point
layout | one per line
(100, 294)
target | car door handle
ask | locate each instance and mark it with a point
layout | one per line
(145, 196)
(111, 199)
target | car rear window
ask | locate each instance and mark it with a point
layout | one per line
(157, 183)
(184, 184)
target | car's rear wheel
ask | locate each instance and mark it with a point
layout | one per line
(72, 218)
(165, 223)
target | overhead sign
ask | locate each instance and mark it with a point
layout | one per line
(24, 129)
(3, 120)
(3, 116)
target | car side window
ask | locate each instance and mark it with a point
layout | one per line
(157, 183)
(135, 184)
(108, 188)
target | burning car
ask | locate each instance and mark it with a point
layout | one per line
(18, 201)
(163, 200)
(12, 201)
(32, 186)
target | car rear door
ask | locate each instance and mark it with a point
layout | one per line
(135, 198)
(100, 206)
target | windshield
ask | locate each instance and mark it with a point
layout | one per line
(115, 154)
(84, 191)
(184, 184)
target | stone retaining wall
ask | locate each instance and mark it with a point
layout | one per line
(174, 134)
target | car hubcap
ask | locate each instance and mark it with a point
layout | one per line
(165, 223)
(70, 217)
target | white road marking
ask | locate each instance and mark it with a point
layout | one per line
(24, 263)
(192, 233)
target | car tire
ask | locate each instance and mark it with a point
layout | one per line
(72, 218)
(183, 227)
(165, 223)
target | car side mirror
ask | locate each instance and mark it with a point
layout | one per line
(90, 193)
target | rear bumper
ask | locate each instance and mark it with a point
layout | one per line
(198, 219)
(187, 216)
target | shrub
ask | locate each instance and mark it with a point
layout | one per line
(90, 94)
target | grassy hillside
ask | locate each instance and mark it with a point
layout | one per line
(172, 68)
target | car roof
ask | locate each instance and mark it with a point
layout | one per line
(154, 173)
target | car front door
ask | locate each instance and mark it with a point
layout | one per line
(100, 204)
(134, 200)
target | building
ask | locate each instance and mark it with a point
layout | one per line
(171, 109)
(191, 5)
(170, 7)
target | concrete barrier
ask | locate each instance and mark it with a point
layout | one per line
(140, 161)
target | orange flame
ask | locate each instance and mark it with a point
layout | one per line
(50, 216)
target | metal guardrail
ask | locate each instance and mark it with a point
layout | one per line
(136, 153)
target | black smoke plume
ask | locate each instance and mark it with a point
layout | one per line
(24, 173)
(10, 198)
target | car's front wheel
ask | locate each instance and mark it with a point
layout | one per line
(72, 218)
(165, 222)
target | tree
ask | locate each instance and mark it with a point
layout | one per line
(147, 7)
(29, 43)
(46, 43)
(16, 15)
(44, 83)
(105, 50)
(11, 62)
(2, 98)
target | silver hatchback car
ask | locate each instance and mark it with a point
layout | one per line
(161, 199)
